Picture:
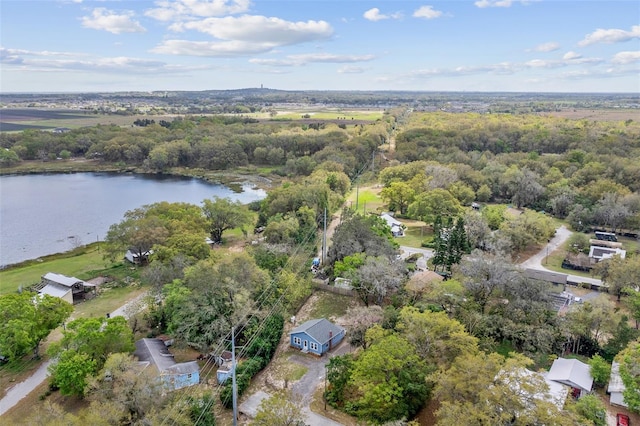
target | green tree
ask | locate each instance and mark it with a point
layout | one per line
(137, 232)
(95, 337)
(629, 360)
(600, 370)
(388, 381)
(71, 372)
(222, 214)
(437, 202)
(281, 409)
(28, 319)
(494, 215)
(398, 196)
(591, 408)
(619, 274)
(489, 389)
(437, 338)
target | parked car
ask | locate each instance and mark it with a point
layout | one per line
(3, 359)
(622, 420)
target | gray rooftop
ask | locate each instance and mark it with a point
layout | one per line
(320, 329)
(155, 352)
(572, 372)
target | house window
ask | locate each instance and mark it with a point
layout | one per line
(297, 341)
(314, 346)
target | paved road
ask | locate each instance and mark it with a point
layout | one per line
(535, 261)
(22, 389)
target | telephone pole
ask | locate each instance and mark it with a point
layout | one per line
(233, 376)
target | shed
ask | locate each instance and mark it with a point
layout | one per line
(317, 336)
(173, 375)
(573, 373)
(616, 387)
(70, 289)
(397, 228)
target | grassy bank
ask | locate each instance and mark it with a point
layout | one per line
(84, 263)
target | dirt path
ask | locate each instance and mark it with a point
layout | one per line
(22, 389)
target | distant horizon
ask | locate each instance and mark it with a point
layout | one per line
(318, 90)
(477, 46)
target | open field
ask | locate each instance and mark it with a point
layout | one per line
(597, 114)
(12, 120)
(80, 264)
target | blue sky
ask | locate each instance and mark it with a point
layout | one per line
(455, 45)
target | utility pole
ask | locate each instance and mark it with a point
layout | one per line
(357, 190)
(233, 376)
(324, 238)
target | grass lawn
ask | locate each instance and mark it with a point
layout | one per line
(330, 115)
(415, 234)
(365, 199)
(329, 305)
(82, 263)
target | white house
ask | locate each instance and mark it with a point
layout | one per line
(397, 228)
(573, 373)
(598, 253)
(616, 387)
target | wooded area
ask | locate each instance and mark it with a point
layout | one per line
(463, 341)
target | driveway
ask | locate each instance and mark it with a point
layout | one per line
(305, 387)
(427, 254)
(22, 389)
(535, 261)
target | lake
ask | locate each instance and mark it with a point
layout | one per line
(52, 213)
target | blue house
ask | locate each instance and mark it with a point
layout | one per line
(317, 336)
(174, 375)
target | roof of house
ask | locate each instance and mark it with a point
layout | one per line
(63, 279)
(556, 394)
(184, 368)
(421, 280)
(391, 221)
(55, 290)
(155, 352)
(599, 252)
(321, 329)
(548, 276)
(615, 381)
(571, 371)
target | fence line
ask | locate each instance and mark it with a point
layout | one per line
(332, 289)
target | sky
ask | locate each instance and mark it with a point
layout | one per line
(454, 45)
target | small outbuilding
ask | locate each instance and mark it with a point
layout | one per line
(173, 375)
(317, 336)
(598, 253)
(133, 256)
(573, 373)
(70, 289)
(616, 387)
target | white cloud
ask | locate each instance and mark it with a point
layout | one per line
(427, 12)
(626, 57)
(349, 69)
(304, 59)
(375, 15)
(493, 3)
(610, 36)
(180, 9)
(547, 47)
(106, 20)
(211, 48)
(259, 29)
(571, 55)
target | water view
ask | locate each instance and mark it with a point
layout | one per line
(52, 213)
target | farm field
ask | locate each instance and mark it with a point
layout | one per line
(14, 120)
(597, 114)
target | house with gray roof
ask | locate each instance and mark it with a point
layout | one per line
(174, 375)
(317, 336)
(573, 373)
(616, 387)
(70, 289)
